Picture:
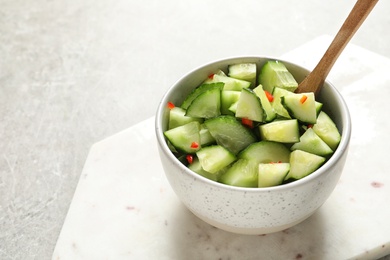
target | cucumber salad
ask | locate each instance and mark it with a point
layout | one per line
(248, 128)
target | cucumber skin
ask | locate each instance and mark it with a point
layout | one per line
(207, 104)
(230, 133)
(269, 112)
(249, 106)
(277, 103)
(199, 90)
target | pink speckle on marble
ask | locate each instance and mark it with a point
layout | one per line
(376, 184)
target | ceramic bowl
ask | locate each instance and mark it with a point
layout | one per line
(252, 210)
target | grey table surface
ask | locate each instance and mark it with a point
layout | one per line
(75, 72)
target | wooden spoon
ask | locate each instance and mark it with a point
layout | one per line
(314, 81)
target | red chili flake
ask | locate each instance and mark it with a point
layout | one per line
(211, 76)
(189, 158)
(303, 99)
(310, 126)
(194, 145)
(247, 122)
(275, 162)
(269, 96)
(171, 105)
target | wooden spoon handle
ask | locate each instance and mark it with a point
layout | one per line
(314, 81)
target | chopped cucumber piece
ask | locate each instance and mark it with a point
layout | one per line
(242, 173)
(244, 71)
(177, 118)
(228, 98)
(301, 106)
(327, 130)
(302, 164)
(277, 103)
(195, 166)
(199, 90)
(229, 83)
(266, 152)
(233, 108)
(230, 133)
(205, 137)
(249, 106)
(284, 131)
(275, 74)
(266, 104)
(184, 137)
(310, 142)
(318, 107)
(214, 158)
(272, 174)
(207, 104)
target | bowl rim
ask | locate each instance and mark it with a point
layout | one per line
(341, 149)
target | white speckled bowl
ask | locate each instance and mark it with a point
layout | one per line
(252, 210)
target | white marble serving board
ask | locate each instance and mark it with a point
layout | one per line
(124, 208)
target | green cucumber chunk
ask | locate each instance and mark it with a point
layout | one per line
(229, 82)
(301, 106)
(207, 104)
(214, 158)
(319, 106)
(205, 137)
(277, 105)
(243, 173)
(228, 98)
(249, 106)
(196, 167)
(266, 152)
(326, 129)
(177, 118)
(243, 71)
(266, 104)
(275, 74)
(310, 142)
(233, 108)
(183, 137)
(230, 133)
(302, 164)
(284, 131)
(199, 90)
(272, 174)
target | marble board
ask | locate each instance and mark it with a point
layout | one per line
(124, 208)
